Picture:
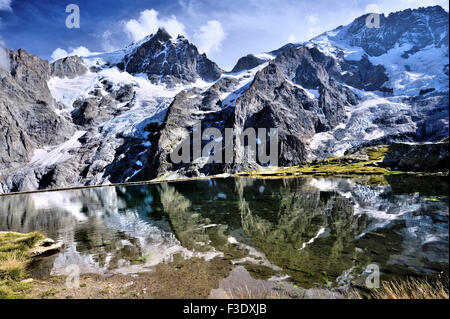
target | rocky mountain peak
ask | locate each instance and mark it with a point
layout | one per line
(71, 67)
(162, 35)
(168, 60)
(418, 27)
(247, 62)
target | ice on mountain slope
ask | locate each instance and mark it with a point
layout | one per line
(245, 78)
(265, 56)
(152, 100)
(409, 44)
(56, 154)
(412, 67)
(360, 125)
(407, 76)
(312, 94)
(423, 69)
(66, 90)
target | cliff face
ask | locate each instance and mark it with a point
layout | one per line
(27, 110)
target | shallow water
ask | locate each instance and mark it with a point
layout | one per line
(308, 231)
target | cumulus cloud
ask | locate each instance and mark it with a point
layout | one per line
(5, 5)
(149, 22)
(209, 37)
(106, 40)
(61, 53)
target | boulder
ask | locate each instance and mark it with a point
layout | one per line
(424, 157)
(45, 246)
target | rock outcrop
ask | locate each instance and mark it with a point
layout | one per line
(97, 109)
(45, 247)
(418, 157)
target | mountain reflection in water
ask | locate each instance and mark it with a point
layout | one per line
(310, 231)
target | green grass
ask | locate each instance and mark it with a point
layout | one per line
(106, 243)
(10, 289)
(17, 242)
(325, 279)
(432, 199)
(14, 257)
(359, 163)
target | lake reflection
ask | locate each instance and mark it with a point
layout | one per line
(310, 231)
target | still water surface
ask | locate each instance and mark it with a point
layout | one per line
(307, 231)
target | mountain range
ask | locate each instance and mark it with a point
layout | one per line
(116, 117)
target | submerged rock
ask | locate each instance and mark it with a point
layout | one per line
(418, 156)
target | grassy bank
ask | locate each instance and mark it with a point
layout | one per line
(362, 162)
(14, 257)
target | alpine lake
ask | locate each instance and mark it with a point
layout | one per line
(276, 234)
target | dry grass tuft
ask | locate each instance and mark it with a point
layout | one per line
(413, 288)
(12, 265)
(257, 293)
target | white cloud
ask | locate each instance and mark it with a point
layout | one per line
(5, 5)
(106, 39)
(4, 59)
(149, 23)
(373, 8)
(210, 36)
(292, 38)
(312, 19)
(61, 53)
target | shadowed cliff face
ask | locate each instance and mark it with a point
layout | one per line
(313, 230)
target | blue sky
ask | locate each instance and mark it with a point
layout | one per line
(225, 30)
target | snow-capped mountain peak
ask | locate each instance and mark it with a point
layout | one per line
(168, 60)
(418, 28)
